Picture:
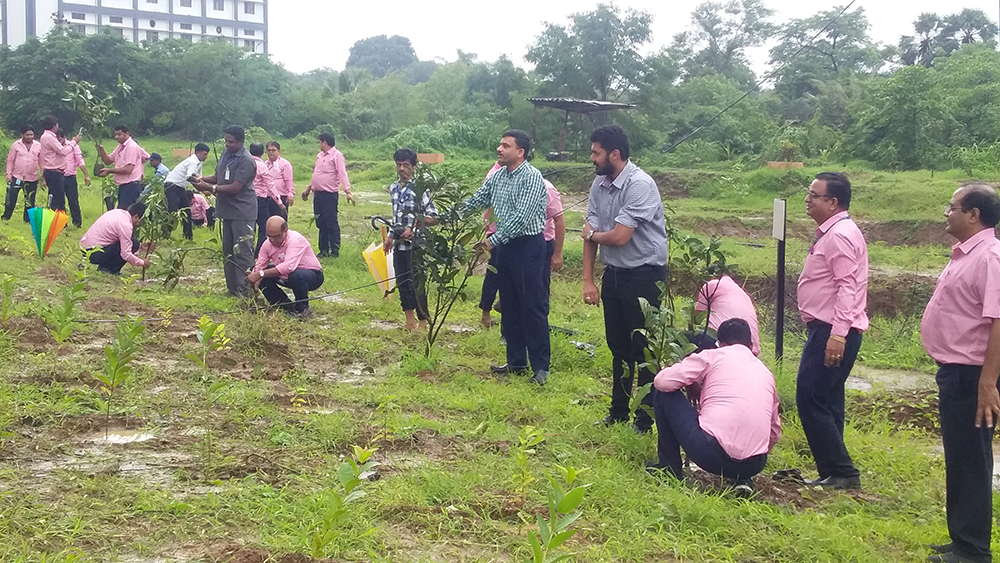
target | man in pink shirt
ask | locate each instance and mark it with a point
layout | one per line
(74, 162)
(128, 159)
(200, 211)
(22, 172)
(738, 422)
(329, 176)
(293, 264)
(52, 159)
(724, 299)
(961, 331)
(832, 295)
(282, 171)
(268, 196)
(113, 241)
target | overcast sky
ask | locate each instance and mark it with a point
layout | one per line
(311, 34)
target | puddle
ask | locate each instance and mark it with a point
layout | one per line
(864, 379)
(356, 374)
(118, 437)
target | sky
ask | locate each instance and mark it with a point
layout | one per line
(311, 34)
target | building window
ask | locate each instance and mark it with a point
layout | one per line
(218, 5)
(188, 38)
(81, 29)
(151, 1)
(116, 19)
(121, 32)
(218, 29)
(152, 23)
(248, 43)
(249, 33)
(152, 36)
(185, 3)
(249, 8)
(186, 26)
(78, 16)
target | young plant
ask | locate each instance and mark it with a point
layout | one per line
(159, 222)
(63, 316)
(214, 392)
(527, 439)
(6, 297)
(118, 359)
(211, 338)
(553, 531)
(386, 411)
(351, 474)
(95, 110)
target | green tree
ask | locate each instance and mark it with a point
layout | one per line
(497, 80)
(721, 33)
(381, 55)
(922, 47)
(968, 26)
(596, 56)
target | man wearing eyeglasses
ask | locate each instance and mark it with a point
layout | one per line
(832, 295)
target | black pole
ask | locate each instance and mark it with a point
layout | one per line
(779, 331)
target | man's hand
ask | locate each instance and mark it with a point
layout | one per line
(988, 411)
(103, 172)
(694, 395)
(305, 194)
(10, 179)
(586, 230)
(483, 246)
(591, 296)
(834, 352)
(77, 139)
(386, 245)
(350, 197)
(291, 200)
(86, 179)
(408, 234)
(145, 264)
(254, 277)
(557, 262)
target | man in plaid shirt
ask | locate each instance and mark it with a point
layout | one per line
(400, 240)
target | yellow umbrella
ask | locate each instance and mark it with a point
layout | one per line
(380, 267)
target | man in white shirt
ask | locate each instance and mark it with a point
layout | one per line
(178, 182)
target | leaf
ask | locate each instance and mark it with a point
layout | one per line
(543, 528)
(571, 500)
(536, 548)
(561, 538)
(567, 520)
(346, 475)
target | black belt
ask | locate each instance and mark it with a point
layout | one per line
(643, 268)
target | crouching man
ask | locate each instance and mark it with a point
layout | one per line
(112, 240)
(738, 422)
(293, 264)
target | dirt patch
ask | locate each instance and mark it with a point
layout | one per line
(110, 307)
(232, 552)
(775, 492)
(53, 273)
(30, 334)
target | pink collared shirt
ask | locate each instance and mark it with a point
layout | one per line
(294, 254)
(74, 161)
(725, 300)
(739, 402)
(957, 321)
(114, 226)
(330, 173)
(552, 209)
(264, 182)
(53, 154)
(22, 161)
(127, 153)
(282, 171)
(833, 287)
(199, 207)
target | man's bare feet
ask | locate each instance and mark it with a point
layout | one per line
(487, 320)
(422, 325)
(411, 326)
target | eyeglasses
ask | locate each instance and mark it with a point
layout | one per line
(813, 195)
(950, 209)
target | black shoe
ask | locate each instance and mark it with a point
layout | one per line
(943, 548)
(837, 482)
(323, 255)
(641, 428)
(610, 420)
(540, 377)
(507, 370)
(951, 557)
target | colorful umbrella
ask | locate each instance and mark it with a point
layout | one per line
(380, 267)
(46, 225)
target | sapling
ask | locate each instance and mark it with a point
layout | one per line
(553, 531)
(211, 338)
(63, 316)
(7, 297)
(527, 439)
(118, 359)
(351, 473)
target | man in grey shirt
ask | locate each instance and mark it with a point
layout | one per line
(624, 219)
(236, 205)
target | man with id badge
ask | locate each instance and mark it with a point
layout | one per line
(236, 205)
(22, 172)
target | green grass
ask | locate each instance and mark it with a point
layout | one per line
(253, 467)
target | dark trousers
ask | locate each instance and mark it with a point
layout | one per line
(179, 199)
(410, 297)
(10, 202)
(819, 395)
(128, 194)
(550, 249)
(677, 427)
(266, 208)
(284, 201)
(237, 251)
(491, 285)
(72, 190)
(525, 319)
(109, 258)
(620, 292)
(301, 282)
(56, 182)
(325, 209)
(968, 462)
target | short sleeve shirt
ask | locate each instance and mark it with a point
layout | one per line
(232, 168)
(632, 200)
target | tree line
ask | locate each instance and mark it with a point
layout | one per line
(930, 101)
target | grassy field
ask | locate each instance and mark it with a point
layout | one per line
(237, 461)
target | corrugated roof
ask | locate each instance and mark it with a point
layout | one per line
(579, 106)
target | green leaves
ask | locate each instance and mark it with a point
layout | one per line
(563, 512)
(118, 359)
(6, 297)
(211, 338)
(63, 316)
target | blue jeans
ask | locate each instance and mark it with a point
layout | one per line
(677, 427)
(301, 282)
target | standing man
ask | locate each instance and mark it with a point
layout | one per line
(329, 175)
(400, 240)
(53, 158)
(832, 295)
(112, 241)
(555, 234)
(516, 194)
(22, 172)
(128, 159)
(293, 264)
(624, 219)
(74, 162)
(961, 331)
(177, 182)
(160, 170)
(268, 198)
(282, 171)
(236, 205)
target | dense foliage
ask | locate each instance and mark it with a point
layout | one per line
(932, 101)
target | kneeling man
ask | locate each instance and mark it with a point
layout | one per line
(738, 423)
(293, 265)
(112, 240)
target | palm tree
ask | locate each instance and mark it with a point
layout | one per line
(920, 48)
(968, 26)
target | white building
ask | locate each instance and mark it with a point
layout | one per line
(243, 22)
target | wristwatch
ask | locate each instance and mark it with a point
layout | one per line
(215, 189)
(590, 235)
